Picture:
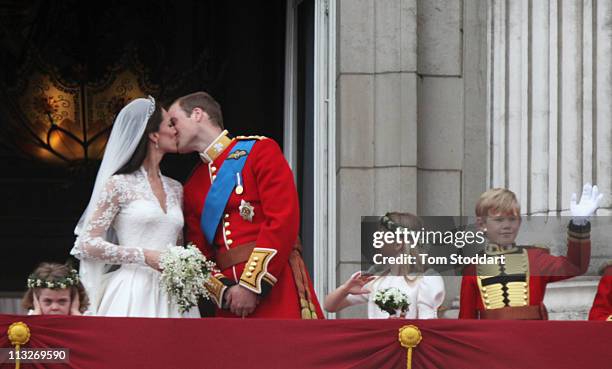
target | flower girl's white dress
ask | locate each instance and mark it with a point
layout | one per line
(425, 295)
(128, 209)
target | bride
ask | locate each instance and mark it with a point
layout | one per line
(133, 215)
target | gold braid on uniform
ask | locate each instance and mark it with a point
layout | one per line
(579, 233)
(503, 285)
(255, 276)
(216, 286)
(258, 138)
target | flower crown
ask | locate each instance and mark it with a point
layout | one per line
(386, 222)
(71, 280)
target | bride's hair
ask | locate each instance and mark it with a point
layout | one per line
(57, 274)
(141, 150)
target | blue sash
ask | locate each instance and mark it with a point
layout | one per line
(222, 188)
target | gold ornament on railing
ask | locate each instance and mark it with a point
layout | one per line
(409, 337)
(19, 335)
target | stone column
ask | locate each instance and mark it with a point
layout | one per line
(550, 111)
(411, 112)
(440, 107)
(550, 116)
(376, 123)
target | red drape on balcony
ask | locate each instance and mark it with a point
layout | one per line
(96, 342)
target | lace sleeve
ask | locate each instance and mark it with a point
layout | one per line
(91, 245)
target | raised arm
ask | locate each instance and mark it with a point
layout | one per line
(351, 292)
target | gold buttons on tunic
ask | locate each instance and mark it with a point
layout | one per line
(226, 224)
(229, 242)
(226, 216)
(255, 258)
(248, 274)
(227, 233)
(213, 169)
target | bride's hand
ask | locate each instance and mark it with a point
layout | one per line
(152, 258)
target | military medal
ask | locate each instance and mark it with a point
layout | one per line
(239, 188)
(247, 211)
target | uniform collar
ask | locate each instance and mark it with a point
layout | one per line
(495, 249)
(218, 145)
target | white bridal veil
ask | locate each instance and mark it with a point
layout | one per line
(126, 133)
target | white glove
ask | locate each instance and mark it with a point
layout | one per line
(589, 202)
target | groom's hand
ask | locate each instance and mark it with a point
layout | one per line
(241, 301)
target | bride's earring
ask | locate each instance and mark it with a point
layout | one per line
(157, 145)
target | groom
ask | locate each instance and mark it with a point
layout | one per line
(241, 209)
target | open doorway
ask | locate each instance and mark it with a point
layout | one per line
(233, 49)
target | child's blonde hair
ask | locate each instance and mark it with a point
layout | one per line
(497, 200)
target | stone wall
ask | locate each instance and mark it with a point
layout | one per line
(411, 113)
(440, 100)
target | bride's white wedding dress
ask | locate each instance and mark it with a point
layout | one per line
(128, 209)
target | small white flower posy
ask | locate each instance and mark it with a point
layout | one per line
(392, 300)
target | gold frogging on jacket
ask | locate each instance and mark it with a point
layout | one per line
(499, 295)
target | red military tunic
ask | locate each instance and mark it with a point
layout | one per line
(270, 219)
(602, 305)
(482, 292)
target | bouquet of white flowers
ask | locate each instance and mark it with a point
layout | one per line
(184, 272)
(391, 300)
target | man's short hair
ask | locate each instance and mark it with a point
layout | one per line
(497, 200)
(205, 102)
